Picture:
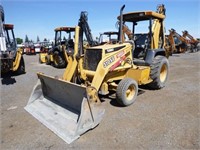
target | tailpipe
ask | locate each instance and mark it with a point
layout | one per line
(121, 23)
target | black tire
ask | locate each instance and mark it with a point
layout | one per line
(40, 60)
(58, 60)
(47, 60)
(198, 47)
(159, 72)
(21, 68)
(127, 91)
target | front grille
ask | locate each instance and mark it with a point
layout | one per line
(92, 59)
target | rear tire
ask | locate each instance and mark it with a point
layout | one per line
(127, 91)
(21, 68)
(159, 72)
(58, 60)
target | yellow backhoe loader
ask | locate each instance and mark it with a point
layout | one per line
(177, 43)
(195, 44)
(108, 37)
(70, 105)
(58, 55)
(11, 57)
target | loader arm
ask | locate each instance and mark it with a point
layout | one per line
(18, 57)
(72, 60)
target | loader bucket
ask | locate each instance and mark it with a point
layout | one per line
(66, 108)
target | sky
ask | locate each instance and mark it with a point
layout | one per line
(40, 17)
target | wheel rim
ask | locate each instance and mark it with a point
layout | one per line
(130, 92)
(163, 73)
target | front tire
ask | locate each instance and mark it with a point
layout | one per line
(127, 91)
(58, 60)
(159, 72)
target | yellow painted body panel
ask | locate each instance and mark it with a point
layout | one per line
(16, 63)
(141, 74)
(42, 57)
(72, 61)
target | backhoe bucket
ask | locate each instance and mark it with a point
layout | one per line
(66, 108)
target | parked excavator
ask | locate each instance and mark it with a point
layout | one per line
(195, 44)
(177, 43)
(11, 57)
(58, 55)
(70, 105)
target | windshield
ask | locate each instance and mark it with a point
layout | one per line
(140, 32)
(62, 37)
(10, 40)
(108, 37)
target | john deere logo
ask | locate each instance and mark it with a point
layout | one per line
(108, 61)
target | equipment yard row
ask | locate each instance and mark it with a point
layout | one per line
(168, 118)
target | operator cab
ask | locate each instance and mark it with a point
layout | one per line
(11, 44)
(8, 43)
(144, 35)
(108, 37)
(64, 37)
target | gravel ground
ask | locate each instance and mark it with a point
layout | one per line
(163, 119)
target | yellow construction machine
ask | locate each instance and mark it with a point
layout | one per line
(57, 56)
(11, 57)
(177, 43)
(195, 44)
(108, 37)
(70, 105)
(64, 42)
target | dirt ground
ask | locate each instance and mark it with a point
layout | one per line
(163, 119)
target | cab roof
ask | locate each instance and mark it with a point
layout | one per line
(8, 26)
(140, 16)
(110, 32)
(65, 29)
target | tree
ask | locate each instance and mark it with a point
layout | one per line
(26, 39)
(45, 39)
(38, 39)
(19, 40)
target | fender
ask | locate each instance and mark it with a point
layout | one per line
(153, 53)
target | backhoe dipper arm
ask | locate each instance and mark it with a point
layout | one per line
(171, 40)
(84, 28)
(186, 34)
(183, 39)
